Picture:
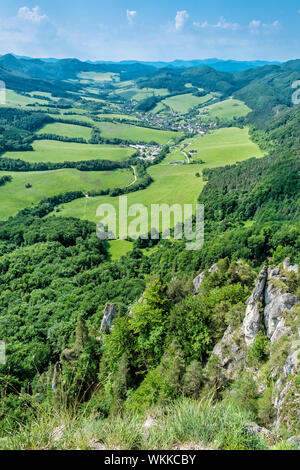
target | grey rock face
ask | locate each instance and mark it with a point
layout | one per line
(288, 267)
(109, 314)
(200, 278)
(197, 282)
(254, 312)
(281, 329)
(276, 303)
(231, 352)
(213, 269)
(267, 304)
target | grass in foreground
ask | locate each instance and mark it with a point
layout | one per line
(186, 423)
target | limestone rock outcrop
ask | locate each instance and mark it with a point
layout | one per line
(109, 314)
(200, 278)
(254, 309)
(267, 303)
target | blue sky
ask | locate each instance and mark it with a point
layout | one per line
(151, 30)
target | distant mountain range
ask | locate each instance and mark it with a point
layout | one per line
(230, 66)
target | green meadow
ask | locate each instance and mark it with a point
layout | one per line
(139, 94)
(224, 147)
(72, 117)
(15, 196)
(172, 184)
(119, 116)
(15, 99)
(179, 183)
(183, 103)
(111, 130)
(66, 130)
(55, 151)
(228, 109)
(99, 77)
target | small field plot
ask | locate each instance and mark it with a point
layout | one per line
(111, 130)
(139, 94)
(41, 184)
(227, 109)
(55, 151)
(183, 103)
(66, 130)
(72, 117)
(129, 117)
(99, 77)
(15, 99)
(223, 147)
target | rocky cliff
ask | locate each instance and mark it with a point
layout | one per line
(266, 345)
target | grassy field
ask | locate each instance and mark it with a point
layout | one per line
(110, 130)
(99, 77)
(14, 99)
(119, 248)
(16, 196)
(138, 94)
(179, 184)
(223, 147)
(55, 151)
(172, 184)
(183, 103)
(227, 109)
(72, 117)
(66, 130)
(119, 116)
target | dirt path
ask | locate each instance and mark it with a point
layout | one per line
(135, 177)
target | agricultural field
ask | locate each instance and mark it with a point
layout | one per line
(55, 151)
(139, 94)
(66, 130)
(172, 184)
(228, 109)
(177, 183)
(129, 117)
(224, 146)
(16, 196)
(15, 99)
(99, 77)
(47, 95)
(111, 130)
(183, 103)
(72, 117)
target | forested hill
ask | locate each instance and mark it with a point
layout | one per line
(65, 69)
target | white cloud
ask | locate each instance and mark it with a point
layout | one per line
(131, 14)
(180, 19)
(221, 24)
(257, 27)
(35, 15)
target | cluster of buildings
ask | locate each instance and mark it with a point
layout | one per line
(147, 152)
